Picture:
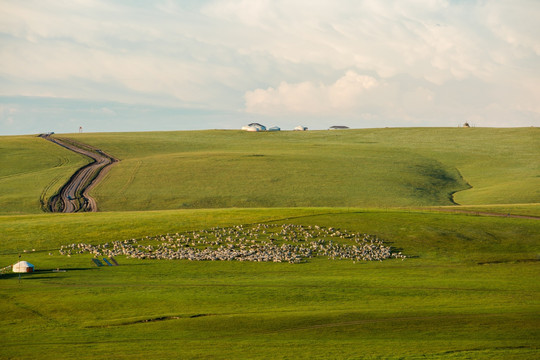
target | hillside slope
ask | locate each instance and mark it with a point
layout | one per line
(371, 167)
(32, 170)
(367, 168)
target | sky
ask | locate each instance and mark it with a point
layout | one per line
(133, 65)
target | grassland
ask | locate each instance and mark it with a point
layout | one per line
(468, 288)
(359, 168)
(32, 170)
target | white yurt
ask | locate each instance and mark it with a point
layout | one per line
(23, 267)
(254, 127)
(300, 128)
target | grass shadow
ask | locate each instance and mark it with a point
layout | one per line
(28, 276)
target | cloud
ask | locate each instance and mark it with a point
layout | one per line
(346, 94)
(354, 97)
(151, 57)
(430, 39)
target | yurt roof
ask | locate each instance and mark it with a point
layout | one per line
(23, 264)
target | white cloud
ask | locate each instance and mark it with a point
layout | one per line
(343, 96)
(358, 98)
(515, 24)
(430, 39)
(141, 56)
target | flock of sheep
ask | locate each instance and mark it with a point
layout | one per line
(262, 242)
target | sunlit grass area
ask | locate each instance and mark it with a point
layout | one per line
(467, 289)
(370, 167)
(31, 171)
(217, 169)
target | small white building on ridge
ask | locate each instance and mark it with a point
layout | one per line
(300, 128)
(23, 267)
(254, 127)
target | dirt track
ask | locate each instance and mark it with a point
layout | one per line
(73, 196)
(484, 213)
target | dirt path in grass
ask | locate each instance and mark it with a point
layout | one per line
(485, 213)
(73, 196)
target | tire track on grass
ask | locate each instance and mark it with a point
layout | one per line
(480, 213)
(73, 196)
(131, 177)
(350, 323)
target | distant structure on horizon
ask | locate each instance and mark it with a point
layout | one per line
(338, 127)
(300, 128)
(254, 127)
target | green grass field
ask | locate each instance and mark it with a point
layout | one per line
(31, 171)
(467, 290)
(223, 169)
(366, 168)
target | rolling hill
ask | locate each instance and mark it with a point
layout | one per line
(365, 168)
(467, 288)
(32, 170)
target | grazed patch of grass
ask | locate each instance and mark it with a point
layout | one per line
(440, 303)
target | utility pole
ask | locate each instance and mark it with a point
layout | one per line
(19, 272)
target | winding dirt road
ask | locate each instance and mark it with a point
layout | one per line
(73, 196)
